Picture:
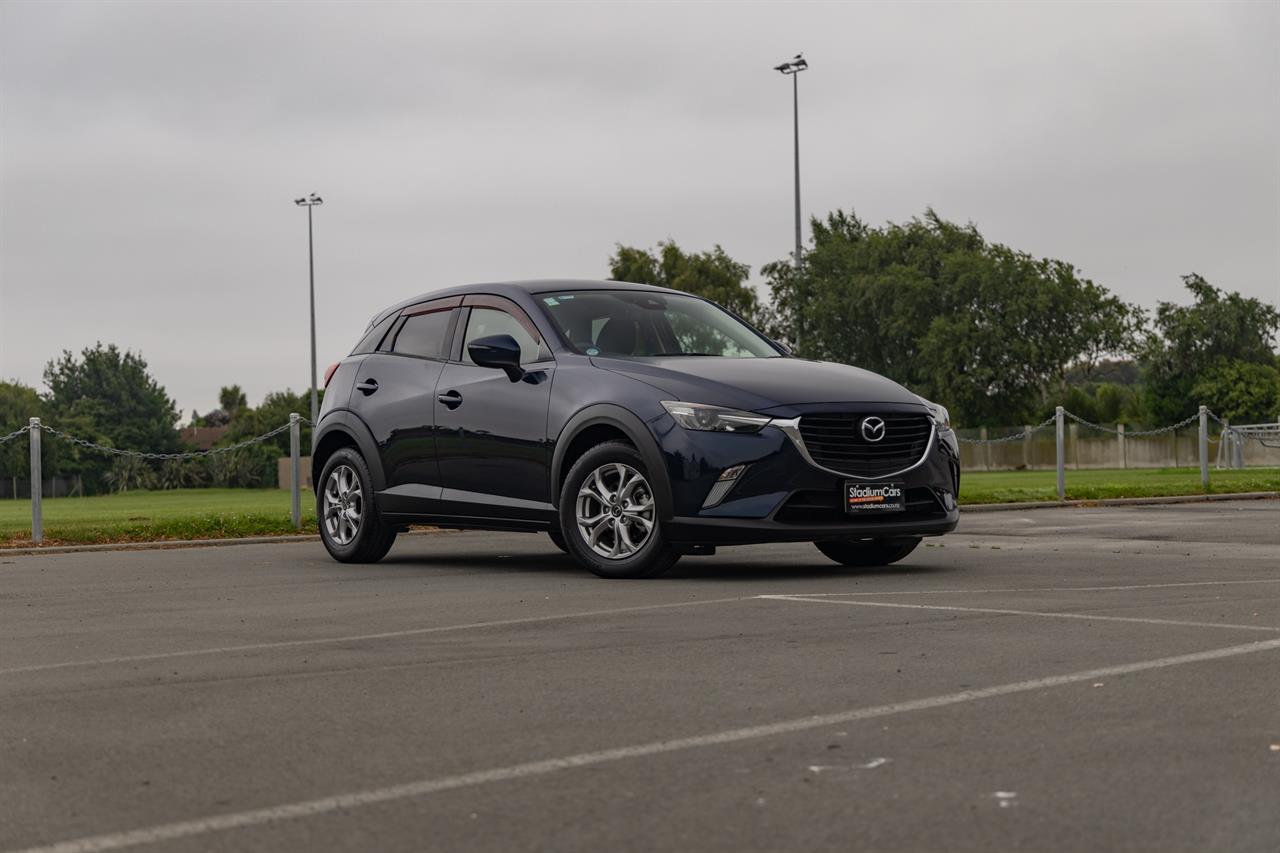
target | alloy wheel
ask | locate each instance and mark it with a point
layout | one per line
(343, 505)
(614, 511)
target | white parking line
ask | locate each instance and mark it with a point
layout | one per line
(1004, 612)
(340, 802)
(352, 638)
(1040, 588)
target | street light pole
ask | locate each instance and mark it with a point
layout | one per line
(309, 202)
(792, 69)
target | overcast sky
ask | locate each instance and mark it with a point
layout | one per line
(149, 153)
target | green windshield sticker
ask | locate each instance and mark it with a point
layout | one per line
(551, 300)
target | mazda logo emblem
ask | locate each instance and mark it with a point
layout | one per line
(873, 428)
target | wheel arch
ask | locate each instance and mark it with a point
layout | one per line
(604, 422)
(344, 429)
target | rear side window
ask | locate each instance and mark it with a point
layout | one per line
(373, 337)
(423, 335)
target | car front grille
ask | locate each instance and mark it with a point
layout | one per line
(836, 441)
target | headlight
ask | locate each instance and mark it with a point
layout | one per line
(714, 418)
(938, 412)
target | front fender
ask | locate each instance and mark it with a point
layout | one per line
(637, 432)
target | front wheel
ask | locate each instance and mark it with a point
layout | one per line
(351, 527)
(867, 553)
(609, 515)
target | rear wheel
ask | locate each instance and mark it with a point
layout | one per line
(609, 516)
(866, 553)
(350, 526)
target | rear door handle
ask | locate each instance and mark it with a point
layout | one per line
(451, 399)
(368, 386)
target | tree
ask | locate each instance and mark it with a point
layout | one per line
(712, 275)
(232, 399)
(108, 397)
(982, 328)
(18, 404)
(1198, 352)
(274, 411)
(1243, 391)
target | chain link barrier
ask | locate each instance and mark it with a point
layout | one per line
(1140, 432)
(137, 454)
(1017, 436)
(17, 432)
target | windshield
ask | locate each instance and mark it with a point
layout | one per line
(635, 324)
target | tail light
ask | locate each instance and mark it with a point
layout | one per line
(328, 374)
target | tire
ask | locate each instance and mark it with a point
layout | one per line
(618, 524)
(557, 539)
(867, 553)
(352, 529)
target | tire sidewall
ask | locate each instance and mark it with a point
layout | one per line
(654, 557)
(369, 527)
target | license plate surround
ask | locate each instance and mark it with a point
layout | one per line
(862, 498)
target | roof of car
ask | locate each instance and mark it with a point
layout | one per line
(507, 288)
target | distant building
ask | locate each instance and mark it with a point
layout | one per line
(202, 438)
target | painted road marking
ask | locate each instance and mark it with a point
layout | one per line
(1041, 588)
(353, 638)
(1004, 612)
(341, 802)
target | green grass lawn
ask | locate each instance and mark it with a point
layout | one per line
(143, 516)
(984, 487)
(225, 513)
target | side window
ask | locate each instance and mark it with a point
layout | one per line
(423, 335)
(373, 337)
(490, 321)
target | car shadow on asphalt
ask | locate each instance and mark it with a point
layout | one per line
(689, 568)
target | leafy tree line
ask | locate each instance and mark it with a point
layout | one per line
(107, 396)
(998, 336)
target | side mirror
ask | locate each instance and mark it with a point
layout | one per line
(499, 351)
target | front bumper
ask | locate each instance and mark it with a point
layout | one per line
(784, 497)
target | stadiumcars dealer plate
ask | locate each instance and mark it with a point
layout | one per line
(870, 498)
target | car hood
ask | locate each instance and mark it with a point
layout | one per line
(760, 384)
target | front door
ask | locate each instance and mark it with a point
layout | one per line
(491, 433)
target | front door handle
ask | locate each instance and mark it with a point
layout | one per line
(368, 386)
(451, 399)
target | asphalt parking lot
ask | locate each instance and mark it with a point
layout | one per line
(1066, 679)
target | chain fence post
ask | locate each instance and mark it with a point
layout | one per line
(1062, 476)
(1124, 451)
(37, 483)
(295, 469)
(1204, 448)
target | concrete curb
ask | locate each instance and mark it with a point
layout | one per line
(1169, 499)
(176, 543)
(267, 540)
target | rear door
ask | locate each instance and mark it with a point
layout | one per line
(395, 392)
(492, 442)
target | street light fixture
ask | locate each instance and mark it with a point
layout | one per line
(792, 69)
(309, 202)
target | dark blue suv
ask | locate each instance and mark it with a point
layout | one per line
(631, 424)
